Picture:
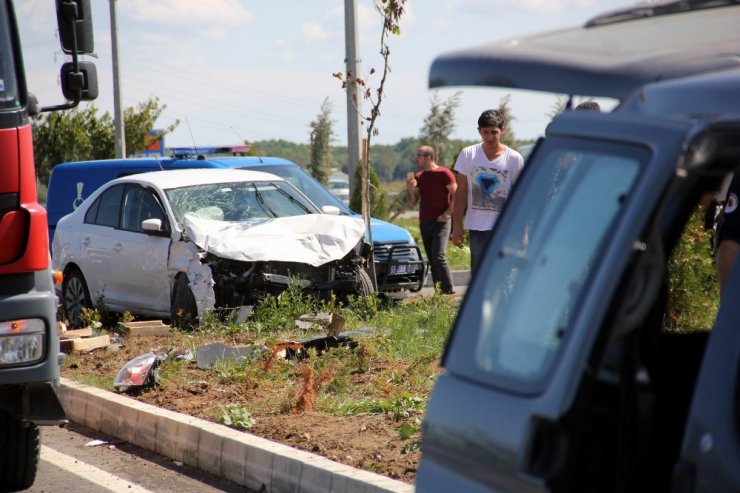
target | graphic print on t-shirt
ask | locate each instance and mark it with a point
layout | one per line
(489, 191)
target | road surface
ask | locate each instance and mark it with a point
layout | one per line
(70, 463)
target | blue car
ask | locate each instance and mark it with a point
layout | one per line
(399, 264)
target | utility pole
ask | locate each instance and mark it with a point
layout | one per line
(352, 64)
(117, 112)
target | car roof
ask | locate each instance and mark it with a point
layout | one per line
(200, 176)
(610, 56)
(170, 162)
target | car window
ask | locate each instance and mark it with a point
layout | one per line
(107, 208)
(237, 201)
(139, 204)
(307, 184)
(518, 315)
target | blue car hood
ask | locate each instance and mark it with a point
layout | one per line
(384, 232)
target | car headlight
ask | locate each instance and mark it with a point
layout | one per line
(21, 341)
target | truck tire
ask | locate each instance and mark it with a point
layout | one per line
(75, 296)
(183, 310)
(19, 453)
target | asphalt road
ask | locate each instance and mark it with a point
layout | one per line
(70, 464)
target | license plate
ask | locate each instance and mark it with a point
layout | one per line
(399, 269)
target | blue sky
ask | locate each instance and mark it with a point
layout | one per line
(231, 70)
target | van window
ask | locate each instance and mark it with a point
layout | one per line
(539, 263)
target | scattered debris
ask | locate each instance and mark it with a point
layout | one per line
(140, 372)
(180, 354)
(95, 443)
(333, 321)
(244, 312)
(80, 344)
(147, 328)
(211, 354)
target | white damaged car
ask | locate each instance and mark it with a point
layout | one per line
(173, 244)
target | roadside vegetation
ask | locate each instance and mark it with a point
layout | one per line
(387, 370)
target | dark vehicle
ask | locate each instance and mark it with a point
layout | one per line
(399, 264)
(29, 349)
(560, 374)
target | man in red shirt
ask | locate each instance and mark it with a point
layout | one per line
(434, 187)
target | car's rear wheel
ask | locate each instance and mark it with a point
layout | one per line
(76, 297)
(183, 310)
(19, 453)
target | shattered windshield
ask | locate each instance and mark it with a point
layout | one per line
(237, 201)
(540, 259)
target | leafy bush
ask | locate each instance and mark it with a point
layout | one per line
(236, 417)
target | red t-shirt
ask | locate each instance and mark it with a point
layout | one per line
(434, 198)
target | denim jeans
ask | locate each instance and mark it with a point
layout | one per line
(435, 235)
(478, 241)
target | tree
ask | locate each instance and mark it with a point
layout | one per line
(140, 122)
(508, 138)
(82, 135)
(439, 125)
(378, 198)
(322, 136)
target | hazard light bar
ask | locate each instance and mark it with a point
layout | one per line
(235, 150)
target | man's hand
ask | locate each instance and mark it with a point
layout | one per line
(457, 237)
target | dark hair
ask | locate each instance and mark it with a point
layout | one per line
(491, 118)
(588, 106)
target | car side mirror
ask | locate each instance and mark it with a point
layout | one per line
(331, 210)
(154, 227)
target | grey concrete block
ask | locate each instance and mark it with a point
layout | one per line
(210, 443)
(234, 459)
(286, 474)
(258, 469)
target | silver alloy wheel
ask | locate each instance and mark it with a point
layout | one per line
(75, 299)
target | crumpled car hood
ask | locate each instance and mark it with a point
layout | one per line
(313, 239)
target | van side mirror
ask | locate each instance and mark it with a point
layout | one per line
(74, 20)
(331, 210)
(81, 85)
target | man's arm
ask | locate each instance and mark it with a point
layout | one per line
(447, 215)
(458, 209)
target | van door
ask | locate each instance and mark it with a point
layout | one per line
(505, 415)
(711, 443)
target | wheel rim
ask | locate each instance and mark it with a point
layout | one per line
(74, 299)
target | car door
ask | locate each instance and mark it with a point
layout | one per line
(97, 243)
(711, 442)
(518, 355)
(139, 258)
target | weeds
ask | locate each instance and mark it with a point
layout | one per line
(235, 416)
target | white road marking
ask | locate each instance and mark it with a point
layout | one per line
(89, 473)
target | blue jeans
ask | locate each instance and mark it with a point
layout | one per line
(435, 234)
(478, 241)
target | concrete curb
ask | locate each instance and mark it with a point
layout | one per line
(243, 458)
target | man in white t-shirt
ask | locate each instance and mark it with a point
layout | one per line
(486, 173)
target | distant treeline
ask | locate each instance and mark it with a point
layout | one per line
(391, 162)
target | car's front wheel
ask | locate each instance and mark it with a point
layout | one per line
(363, 284)
(19, 453)
(76, 297)
(183, 310)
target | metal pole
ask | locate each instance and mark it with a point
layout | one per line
(117, 111)
(353, 99)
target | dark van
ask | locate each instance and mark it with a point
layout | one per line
(398, 260)
(560, 374)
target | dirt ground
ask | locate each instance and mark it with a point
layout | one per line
(370, 442)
